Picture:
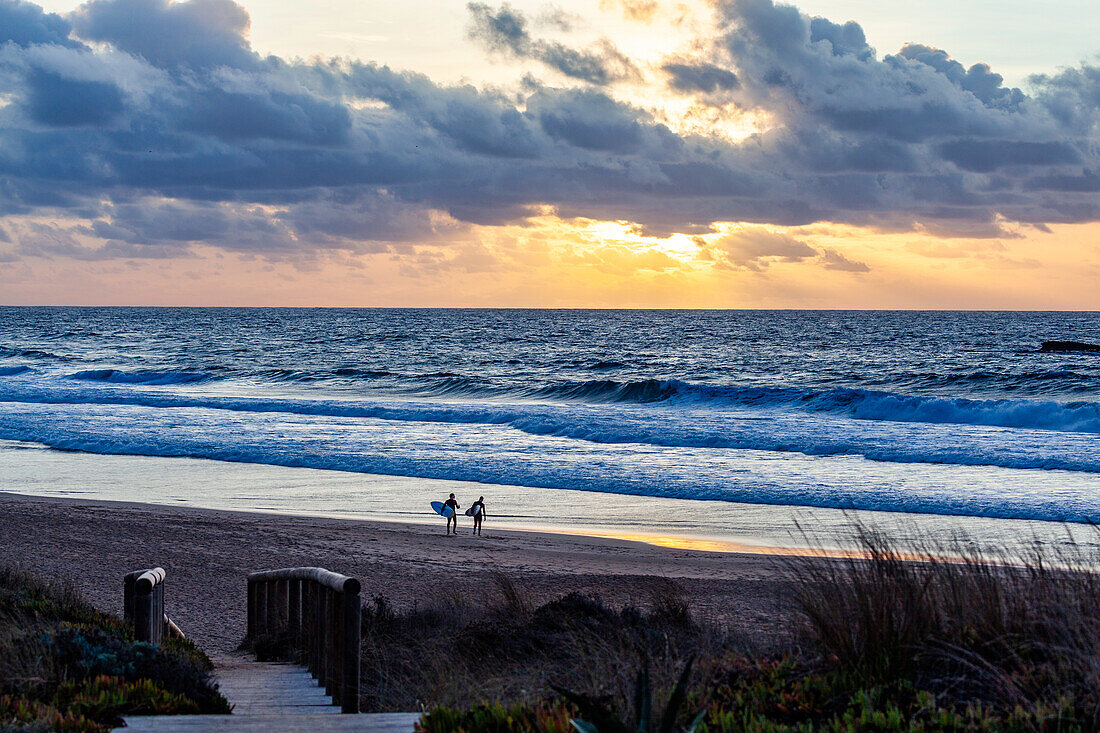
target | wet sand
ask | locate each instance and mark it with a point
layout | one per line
(207, 554)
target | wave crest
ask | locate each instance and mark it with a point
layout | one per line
(116, 376)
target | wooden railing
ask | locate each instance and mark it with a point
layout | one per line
(143, 604)
(319, 613)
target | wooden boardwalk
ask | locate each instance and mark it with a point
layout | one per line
(271, 697)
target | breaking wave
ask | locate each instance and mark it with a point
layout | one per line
(116, 376)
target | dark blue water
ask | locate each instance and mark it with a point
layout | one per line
(805, 408)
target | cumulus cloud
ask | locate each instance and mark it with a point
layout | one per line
(155, 125)
(195, 33)
(26, 24)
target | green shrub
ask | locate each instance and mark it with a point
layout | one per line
(85, 652)
(66, 666)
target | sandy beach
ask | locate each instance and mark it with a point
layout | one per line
(208, 553)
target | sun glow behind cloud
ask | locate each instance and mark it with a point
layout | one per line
(735, 154)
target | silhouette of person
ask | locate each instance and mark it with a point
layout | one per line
(454, 514)
(478, 508)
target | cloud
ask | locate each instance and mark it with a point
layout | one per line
(26, 24)
(979, 80)
(194, 33)
(504, 30)
(156, 126)
(551, 16)
(754, 249)
(699, 77)
(833, 260)
(55, 100)
(643, 11)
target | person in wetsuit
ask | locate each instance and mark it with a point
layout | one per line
(478, 508)
(454, 514)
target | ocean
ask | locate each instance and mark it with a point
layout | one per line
(667, 419)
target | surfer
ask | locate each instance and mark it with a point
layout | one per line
(454, 513)
(477, 509)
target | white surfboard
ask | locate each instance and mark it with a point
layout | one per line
(473, 511)
(442, 509)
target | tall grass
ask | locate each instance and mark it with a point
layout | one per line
(1006, 631)
(887, 637)
(459, 651)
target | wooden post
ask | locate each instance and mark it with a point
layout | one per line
(338, 647)
(251, 609)
(156, 621)
(351, 647)
(294, 612)
(309, 607)
(261, 607)
(143, 594)
(330, 641)
(128, 596)
(143, 615)
(282, 605)
(319, 632)
(272, 608)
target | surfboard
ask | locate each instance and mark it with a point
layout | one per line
(473, 511)
(442, 509)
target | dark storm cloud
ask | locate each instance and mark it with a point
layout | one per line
(989, 155)
(293, 117)
(170, 130)
(55, 100)
(504, 30)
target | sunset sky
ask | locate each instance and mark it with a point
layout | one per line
(605, 153)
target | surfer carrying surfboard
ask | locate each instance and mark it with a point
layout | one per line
(453, 516)
(477, 511)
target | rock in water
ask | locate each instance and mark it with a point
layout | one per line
(1068, 346)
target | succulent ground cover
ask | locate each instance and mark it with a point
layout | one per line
(64, 666)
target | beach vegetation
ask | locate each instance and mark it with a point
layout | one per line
(883, 638)
(65, 666)
(458, 653)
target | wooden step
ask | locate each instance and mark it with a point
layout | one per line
(281, 723)
(270, 698)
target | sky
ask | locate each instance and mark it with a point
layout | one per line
(605, 153)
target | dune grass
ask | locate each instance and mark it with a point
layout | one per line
(942, 638)
(64, 666)
(457, 652)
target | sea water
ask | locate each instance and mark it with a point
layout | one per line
(596, 416)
